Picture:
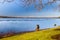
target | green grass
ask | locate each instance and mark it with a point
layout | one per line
(37, 35)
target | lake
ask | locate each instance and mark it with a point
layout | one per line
(20, 24)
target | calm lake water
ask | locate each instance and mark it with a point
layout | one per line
(20, 25)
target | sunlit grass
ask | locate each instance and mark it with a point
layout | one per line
(37, 35)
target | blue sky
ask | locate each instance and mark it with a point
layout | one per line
(16, 8)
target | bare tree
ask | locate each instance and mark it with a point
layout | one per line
(2, 1)
(9, 0)
(37, 5)
(40, 5)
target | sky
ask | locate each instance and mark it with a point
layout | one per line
(16, 8)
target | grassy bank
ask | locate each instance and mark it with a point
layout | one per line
(48, 34)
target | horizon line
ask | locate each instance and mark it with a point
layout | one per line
(30, 17)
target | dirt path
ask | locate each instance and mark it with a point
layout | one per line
(56, 37)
